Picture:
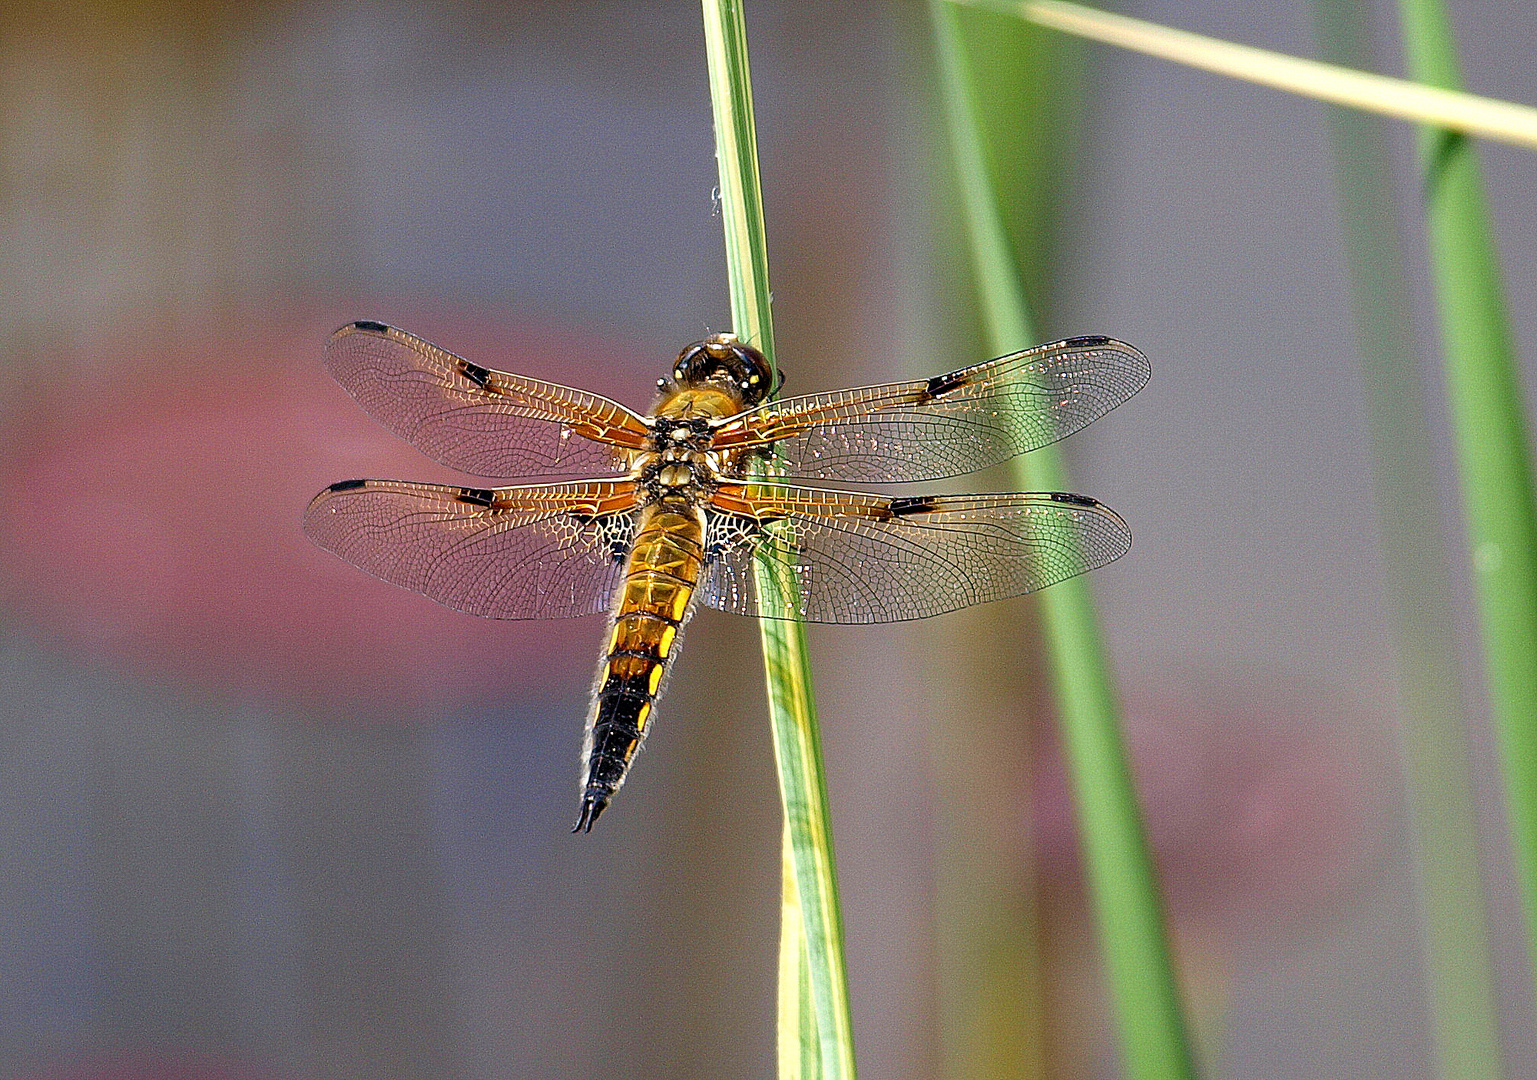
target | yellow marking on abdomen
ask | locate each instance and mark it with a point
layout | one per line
(662, 574)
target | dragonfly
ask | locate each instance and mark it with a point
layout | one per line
(645, 516)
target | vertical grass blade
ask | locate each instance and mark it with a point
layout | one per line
(1489, 433)
(1128, 910)
(799, 1048)
(1459, 978)
(816, 1036)
(993, 933)
(736, 156)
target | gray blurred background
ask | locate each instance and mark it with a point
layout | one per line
(263, 816)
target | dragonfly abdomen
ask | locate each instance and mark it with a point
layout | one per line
(653, 603)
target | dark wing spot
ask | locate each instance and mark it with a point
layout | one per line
(915, 504)
(1075, 500)
(369, 324)
(1090, 342)
(475, 373)
(347, 485)
(476, 496)
(943, 384)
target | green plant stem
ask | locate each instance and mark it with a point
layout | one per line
(811, 953)
(1459, 978)
(991, 941)
(1122, 885)
(1489, 433)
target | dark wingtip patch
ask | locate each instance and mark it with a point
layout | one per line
(347, 485)
(1074, 500)
(369, 324)
(476, 496)
(913, 504)
(1091, 341)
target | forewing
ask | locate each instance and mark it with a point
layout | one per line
(851, 557)
(483, 422)
(948, 425)
(534, 552)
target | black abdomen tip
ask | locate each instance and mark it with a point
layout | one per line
(592, 808)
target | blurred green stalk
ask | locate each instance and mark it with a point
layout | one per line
(1128, 909)
(992, 937)
(1459, 979)
(816, 1036)
(1489, 432)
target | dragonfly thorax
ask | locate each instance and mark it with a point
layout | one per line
(674, 435)
(678, 471)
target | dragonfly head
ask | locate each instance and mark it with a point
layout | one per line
(726, 361)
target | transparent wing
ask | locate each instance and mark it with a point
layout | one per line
(860, 558)
(949, 425)
(483, 422)
(536, 552)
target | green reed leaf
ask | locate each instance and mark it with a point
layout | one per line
(1489, 434)
(1128, 909)
(1459, 977)
(816, 1035)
